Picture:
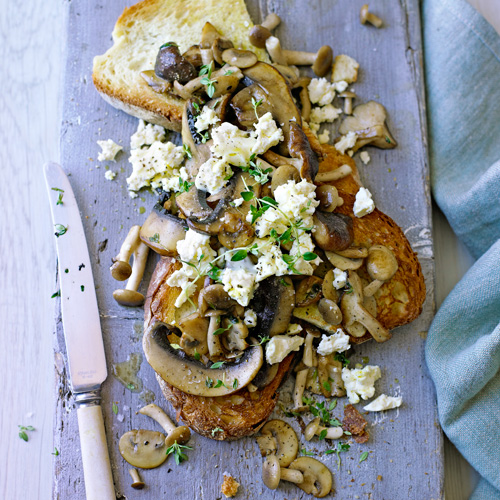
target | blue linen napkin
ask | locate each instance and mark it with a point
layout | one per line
(462, 66)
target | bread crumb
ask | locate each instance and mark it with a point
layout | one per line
(229, 486)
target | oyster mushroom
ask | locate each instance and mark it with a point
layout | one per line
(170, 65)
(273, 473)
(298, 391)
(142, 448)
(333, 231)
(368, 122)
(309, 357)
(261, 32)
(314, 429)
(279, 438)
(317, 478)
(193, 55)
(381, 265)
(354, 311)
(334, 175)
(342, 262)
(190, 375)
(242, 105)
(299, 147)
(214, 300)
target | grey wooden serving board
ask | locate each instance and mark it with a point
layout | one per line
(405, 449)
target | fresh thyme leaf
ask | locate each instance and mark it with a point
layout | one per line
(206, 69)
(327, 386)
(131, 386)
(220, 331)
(56, 294)
(216, 365)
(269, 200)
(60, 230)
(329, 452)
(247, 195)
(214, 272)
(115, 408)
(255, 105)
(187, 151)
(176, 449)
(196, 108)
(184, 186)
(55, 452)
(332, 405)
(348, 288)
(322, 434)
(155, 238)
(283, 282)
(363, 456)
(239, 255)
(23, 436)
(168, 44)
(387, 140)
(218, 384)
(209, 382)
(197, 355)
(235, 383)
(340, 356)
(82, 288)
(341, 447)
(228, 72)
(60, 197)
(309, 256)
(307, 453)
(264, 339)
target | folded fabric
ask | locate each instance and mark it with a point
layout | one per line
(462, 65)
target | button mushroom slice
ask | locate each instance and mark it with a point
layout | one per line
(334, 175)
(129, 296)
(179, 435)
(308, 291)
(239, 58)
(142, 448)
(299, 147)
(170, 65)
(219, 46)
(321, 61)
(315, 429)
(330, 311)
(344, 263)
(317, 477)
(287, 443)
(273, 302)
(381, 265)
(353, 310)
(261, 32)
(121, 269)
(273, 473)
(235, 231)
(309, 357)
(328, 198)
(191, 376)
(161, 231)
(214, 298)
(194, 334)
(298, 391)
(280, 99)
(282, 175)
(333, 231)
(365, 16)
(368, 122)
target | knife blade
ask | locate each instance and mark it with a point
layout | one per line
(82, 332)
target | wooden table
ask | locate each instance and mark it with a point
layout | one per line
(32, 37)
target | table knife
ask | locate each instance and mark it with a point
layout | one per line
(82, 332)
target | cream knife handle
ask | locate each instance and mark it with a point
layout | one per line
(95, 456)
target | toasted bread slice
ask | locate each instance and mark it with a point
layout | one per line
(137, 37)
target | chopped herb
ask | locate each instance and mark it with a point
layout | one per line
(60, 230)
(340, 448)
(347, 433)
(209, 382)
(340, 356)
(220, 331)
(288, 413)
(196, 108)
(216, 365)
(228, 72)
(283, 282)
(320, 410)
(115, 408)
(322, 434)
(255, 105)
(56, 294)
(55, 452)
(235, 383)
(187, 151)
(307, 453)
(204, 136)
(261, 176)
(214, 272)
(176, 449)
(22, 431)
(82, 288)
(365, 360)
(264, 339)
(239, 255)
(219, 383)
(332, 405)
(206, 69)
(155, 238)
(217, 429)
(387, 140)
(309, 256)
(60, 197)
(197, 355)
(327, 386)
(363, 456)
(168, 44)
(131, 386)
(247, 195)
(348, 288)
(184, 186)
(329, 452)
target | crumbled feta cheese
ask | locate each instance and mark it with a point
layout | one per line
(109, 175)
(231, 144)
(363, 204)
(268, 134)
(324, 137)
(250, 318)
(346, 142)
(146, 134)
(206, 118)
(305, 244)
(340, 86)
(154, 165)
(270, 219)
(365, 157)
(320, 91)
(293, 329)
(182, 278)
(109, 150)
(238, 202)
(339, 278)
(328, 113)
(270, 260)
(239, 284)
(297, 200)
(360, 382)
(314, 127)
(280, 346)
(337, 342)
(345, 68)
(384, 402)
(213, 175)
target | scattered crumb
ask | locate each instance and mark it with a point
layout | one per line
(120, 417)
(355, 424)
(110, 175)
(379, 478)
(229, 486)
(365, 157)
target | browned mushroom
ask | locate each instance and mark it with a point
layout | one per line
(381, 265)
(300, 148)
(239, 58)
(320, 61)
(328, 197)
(284, 174)
(333, 231)
(261, 32)
(170, 65)
(366, 16)
(308, 291)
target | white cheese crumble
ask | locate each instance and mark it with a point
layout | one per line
(268, 134)
(109, 175)
(337, 342)
(345, 68)
(250, 318)
(346, 142)
(270, 219)
(213, 175)
(363, 204)
(238, 202)
(365, 157)
(206, 118)
(339, 278)
(280, 346)
(154, 166)
(324, 137)
(303, 245)
(270, 260)
(359, 382)
(109, 150)
(146, 134)
(297, 201)
(321, 91)
(239, 284)
(314, 127)
(328, 113)
(384, 402)
(231, 144)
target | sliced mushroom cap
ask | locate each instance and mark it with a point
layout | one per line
(368, 121)
(235, 231)
(311, 429)
(239, 58)
(193, 55)
(344, 263)
(155, 82)
(273, 302)
(284, 174)
(214, 298)
(329, 291)
(308, 291)
(299, 147)
(381, 263)
(190, 375)
(330, 311)
(243, 107)
(161, 231)
(266, 375)
(220, 46)
(333, 231)
(317, 477)
(194, 335)
(142, 448)
(179, 435)
(286, 440)
(170, 65)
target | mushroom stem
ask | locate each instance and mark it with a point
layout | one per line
(370, 289)
(300, 385)
(214, 344)
(291, 475)
(366, 16)
(320, 61)
(314, 429)
(137, 482)
(121, 270)
(273, 46)
(309, 358)
(299, 58)
(278, 160)
(271, 21)
(140, 259)
(334, 175)
(348, 97)
(156, 413)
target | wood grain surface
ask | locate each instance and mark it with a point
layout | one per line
(33, 40)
